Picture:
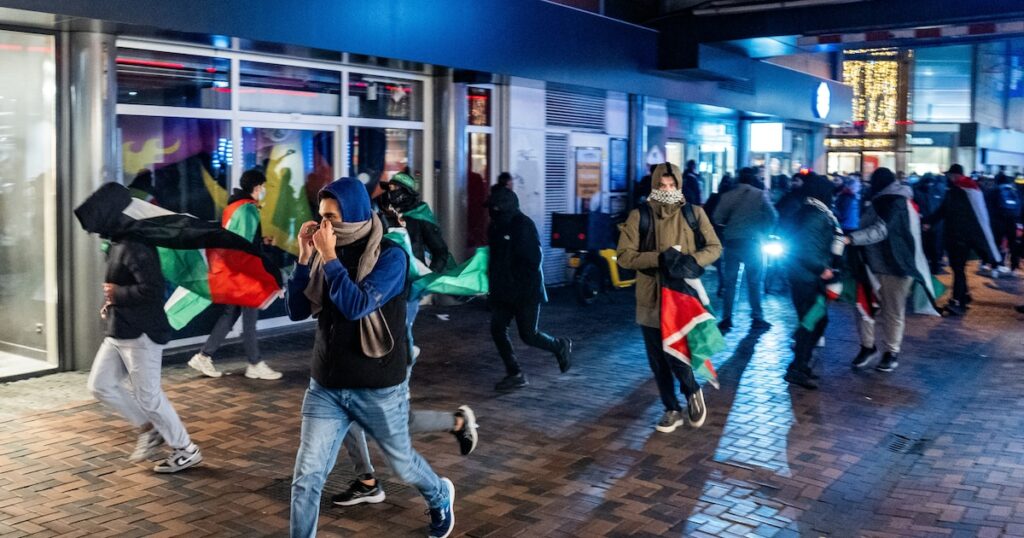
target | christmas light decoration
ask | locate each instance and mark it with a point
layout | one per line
(874, 76)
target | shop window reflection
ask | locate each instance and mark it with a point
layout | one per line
(377, 153)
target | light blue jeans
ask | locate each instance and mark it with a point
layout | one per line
(327, 415)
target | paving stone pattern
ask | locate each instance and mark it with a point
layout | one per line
(934, 449)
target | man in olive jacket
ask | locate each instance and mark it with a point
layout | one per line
(671, 230)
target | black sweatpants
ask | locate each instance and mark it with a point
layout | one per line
(804, 298)
(667, 369)
(527, 317)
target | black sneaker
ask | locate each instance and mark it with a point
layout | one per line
(467, 435)
(760, 325)
(359, 493)
(864, 357)
(1019, 309)
(725, 325)
(696, 411)
(563, 355)
(511, 382)
(670, 421)
(889, 362)
(801, 379)
(954, 308)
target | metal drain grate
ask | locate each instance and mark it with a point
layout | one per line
(903, 444)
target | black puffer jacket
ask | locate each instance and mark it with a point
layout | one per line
(888, 244)
(514, 268)
(138, 305)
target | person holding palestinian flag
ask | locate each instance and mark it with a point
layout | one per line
(679, 332)
(242, 216)
(815, 242)
(966, 227)
(147, 245)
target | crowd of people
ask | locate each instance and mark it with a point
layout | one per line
(882, 234)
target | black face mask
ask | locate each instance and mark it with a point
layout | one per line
(400, 199)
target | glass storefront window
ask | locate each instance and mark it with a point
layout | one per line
(479, 105)
(388, 63)
(297, 163)
(942, 84)
(843, 163)
(374, 96)
(27, 210)
(923, 160)
(289, 89)
(147, 77)
(181, 164)
(478, 188)
(381, 153)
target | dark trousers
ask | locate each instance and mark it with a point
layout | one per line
(749, 254)
(667, 369)
(1005, 231)
(804, 298)
(958, 254)
(931, 241)
(526, 317)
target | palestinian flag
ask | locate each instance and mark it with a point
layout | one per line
(977, 200)
(466, 279)
(926, 287)
(688, 329)
(214, 264)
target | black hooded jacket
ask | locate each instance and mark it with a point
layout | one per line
(138, 303)
(514, 268)
(810, 232)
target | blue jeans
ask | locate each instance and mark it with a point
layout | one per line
(412, 308)
(327, 415)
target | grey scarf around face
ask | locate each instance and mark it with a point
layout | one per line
(374, 334)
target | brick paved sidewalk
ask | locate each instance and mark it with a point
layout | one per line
(934, 449)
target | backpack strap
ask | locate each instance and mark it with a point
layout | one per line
(647, 240)
(691, 219)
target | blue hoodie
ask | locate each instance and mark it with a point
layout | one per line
(353, 300)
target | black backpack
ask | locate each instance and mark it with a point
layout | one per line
(1008, 202)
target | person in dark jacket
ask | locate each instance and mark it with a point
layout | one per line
(965, 223)
(809, 268)
(745, 217)
(929, 194)
(887, 246)
(136, 331)
(848, 204)
(353, 282)
(504, 182)
(1004, 206)
(691, 184)
(792, 200)
(242, 216)
(517, 287)
(728, 183)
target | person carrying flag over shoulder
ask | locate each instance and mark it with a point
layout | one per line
(815, 243)
(242, 216)
(667, 226)
(966, 227)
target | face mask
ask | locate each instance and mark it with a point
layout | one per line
(261, 193)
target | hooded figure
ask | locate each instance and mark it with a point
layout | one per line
(517, 286)
(888, 249)
(848, 204)
(812, 232)
(417, 218)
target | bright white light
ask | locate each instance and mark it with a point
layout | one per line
(133, 93)
(773, 249)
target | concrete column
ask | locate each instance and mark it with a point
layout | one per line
(91, 120)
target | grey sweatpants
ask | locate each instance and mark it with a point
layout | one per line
(223, 327)
(886, 329)
(137, 360)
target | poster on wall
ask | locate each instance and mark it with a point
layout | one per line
(588, 172)
(617, 165)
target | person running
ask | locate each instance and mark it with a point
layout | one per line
(745, 217)
(517, 287)
(241, 216)
(136, 330)
(352, 281)
(667, 227)
(888, 250)
(402, 202)
(814, 232)
(691, 184)
(965, 224)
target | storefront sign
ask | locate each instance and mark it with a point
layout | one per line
(822, 101)
(766, 137)
(618, 165)
(588, 172)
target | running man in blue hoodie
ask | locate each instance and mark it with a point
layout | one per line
(353, 282)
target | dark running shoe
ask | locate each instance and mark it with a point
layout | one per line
(564, 355)
(725, 325)
(669, 421)
(467, 436)
(801, 379)
(442, 520)
(1019, 309)
(359, 493)
(889, 363)
(511, 382)
(864, 357)
(954, 308)
(696, 411)
(760, 325)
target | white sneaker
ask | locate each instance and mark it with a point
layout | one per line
(415, 352)
(995, 273)
(146, 446)
(204, 364)
(821, 342)
(260, 370)
(1004, 269)
(180, 459)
